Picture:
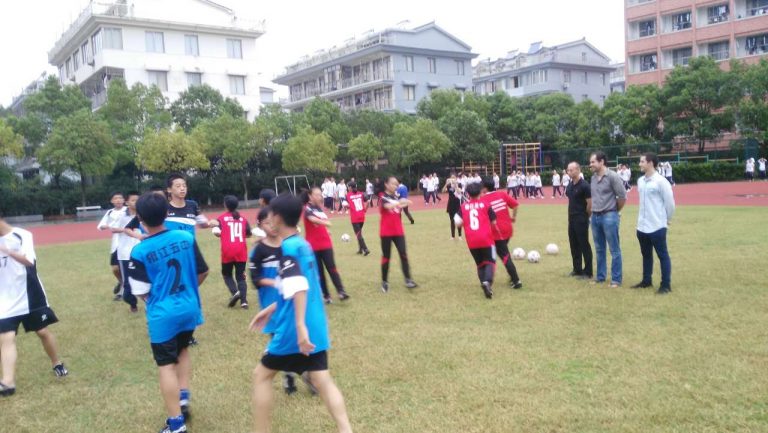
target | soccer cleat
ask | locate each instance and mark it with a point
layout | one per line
(516, 284)
(117, 298)
(343, 295)
(59, 370)
(384, 286)
(116, 290)
(134, 309)
(233, 299)
(308, 382)
(641, 285)
(244, 305)
(289, 383)
(411, 284)
(663, 290)
(167, 429)
(366, 252)
(487, 289)
(7, 391)
(193, 341)
(328, 300)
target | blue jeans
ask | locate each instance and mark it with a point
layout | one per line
(658, 241)
(605, 227)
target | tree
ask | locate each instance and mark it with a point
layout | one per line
(199, 103)
(80, 143)
(367, 149)
(438, 104)
(416, 143)
(364, 121)
(698, 101)
(588, 128)
(53, 102)
(309, 151)
(752, 109)
(165, 152)
(505, 118)
(468, 133)
(549, 118)
(11, 143)
(323, 115)
(636, 114)
(32, 128)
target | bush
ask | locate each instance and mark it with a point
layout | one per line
(707, 172)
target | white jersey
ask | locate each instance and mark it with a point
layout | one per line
(431, 185)
(368, 188)
(20, 289)
(511, 181)
(496, 182)
(537, 181)
(108, 221)
(328, 189)
(341, 189)
(750, 166)
(761, 164)
(566, 180)
(555, 180)
(125, 243)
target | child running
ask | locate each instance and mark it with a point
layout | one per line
(357, 208)
(232, 228)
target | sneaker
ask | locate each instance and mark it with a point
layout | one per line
(308, 382)
(516, 284)
(233, 299)
(59, 370)
(167, 429)
(328, 300)
(244, 305)
(615, 285)
(641, 285)
(134, 309)
(289, 383)
(593, 282)
(7, 391)
(117, 298)
(384, 286)
(574, 274)
(366, 252)
(663, 290)
(116, 290)
(359, 252)
(193, 341)
(487, 289)
(185, 410)
(411, 284)
(343, 295)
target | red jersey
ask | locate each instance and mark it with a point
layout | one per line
(357, 209)
(501, 202)
(316, 234)
(390, 224)
(477, 216)
(233, 234)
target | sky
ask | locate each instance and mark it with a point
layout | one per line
(29, 28)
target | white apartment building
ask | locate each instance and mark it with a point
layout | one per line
(173, 44)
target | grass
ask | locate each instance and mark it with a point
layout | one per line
(558, 356)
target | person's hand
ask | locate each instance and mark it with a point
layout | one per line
(4, 250)
(261, 319)
(305, 346)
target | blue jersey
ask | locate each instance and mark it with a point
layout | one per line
(298, 272)
(165, 266)
(402, 191)
(184, 218)
(264, 265)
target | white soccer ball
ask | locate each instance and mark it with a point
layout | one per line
(216, 231)
(534, 256)
(518, 254)
(345, 237)
(457, 220)
(552, 249)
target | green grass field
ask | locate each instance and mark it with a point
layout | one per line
(558, 356)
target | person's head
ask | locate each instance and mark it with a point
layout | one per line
(286, 212)
(352, 186)
(264, 221)
(648, 162)
(117, 199)
(131, 197)
(177, 186)
(474, 189)
(152, 209)
(231, 203)
(574, 170)
(390, 184)
(266, 195)
(489, 184)
(597, 162)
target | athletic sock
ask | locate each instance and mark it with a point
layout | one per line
(176, 422)
(184, 396)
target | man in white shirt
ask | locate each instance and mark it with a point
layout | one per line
(761, 168)
(538, 192)
(668, 173)
(750, 169)
(327, 191)
(496, 180)
(657, 205)
(118, 201)
(341, 192)
(424, 182)
(436, 188)
(512, 184)
(556, 184)
(125, 244)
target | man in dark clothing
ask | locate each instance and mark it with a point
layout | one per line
(579, 210)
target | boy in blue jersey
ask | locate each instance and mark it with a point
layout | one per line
(183, 214)
(165, 270)
(300, 341)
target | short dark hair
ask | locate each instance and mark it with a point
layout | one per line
(263, 213)
(152, 209)
(352, 185)
(267, 195)
(114, 193)
(474, 189)
(132, 192)
(600, 156)
(652, 158)
(172, 177)
(489, 184)
(287, 207)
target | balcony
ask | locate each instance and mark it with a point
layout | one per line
(375, 105)
(638, 2)
(343, 85)
(522, 61)
(752, 46)
(335, 53)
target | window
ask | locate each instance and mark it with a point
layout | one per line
(756, 44)
(96, 42)
(719, 50)
(602, 99)
(586, 77)
(237, 84)
(430, 88)
(647, 28)
(190, 45)
(68, 66)
(681, 56)
(113, 38)
(155, 42)
(84, 52)
(717, 14)
(61, 73)
(409, 93)
(409, 63)
(459, 67)
(432, 65)
(234, 48)
(194, 79)
(76, 59)
(159, 79)
(648, 62)
(603, 78)
(681, 21)
(758, 7)
(566, 76)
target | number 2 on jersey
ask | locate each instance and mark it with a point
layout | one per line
(235, 231)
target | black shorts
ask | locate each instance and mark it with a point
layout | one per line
(328, 202)
(34, 321)
(297, 362)
(167, 353)
(113, 258)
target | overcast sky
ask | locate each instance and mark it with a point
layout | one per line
(29, 28)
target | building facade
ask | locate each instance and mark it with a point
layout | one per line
(662, 34)
(618, 78)
(385, 71)
(576, 68)
(17, 105)
(173, 44)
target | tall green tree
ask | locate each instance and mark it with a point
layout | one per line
(550, 119)
(414, 143)
(165, 152)
(309, 151)
(588, 128)
(53, 102)
(323, 115)
(506, 121)
(80, 143)
(11, 143)
(438, 104)
(635, 115)
(469, 135)
(199, 103)
(367, 149)
(752, 108)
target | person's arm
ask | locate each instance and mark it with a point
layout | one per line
(104, 223)
(202, 267)
(669, 200)
(589, 207)
(21, 256)
(261, 319)
(621, 193)
(494, 224)
(295, 286)
(248, 229)
(138, 277)
(390, 204)
(319, 221)
(588, 197)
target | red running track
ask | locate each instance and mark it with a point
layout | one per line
(713, 194)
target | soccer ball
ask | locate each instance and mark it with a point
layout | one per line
(518, 254)
(534, 256)
(552, 249)
(457, 220)
(216, 231)
(345, 237)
